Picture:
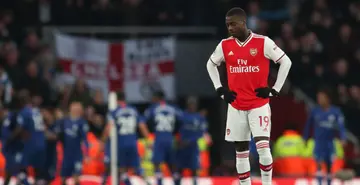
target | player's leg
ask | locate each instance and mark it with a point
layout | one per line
(260, 125)
(139, 170)
(106, 163)
(77, 170)
(22, 162)
(106, 173)
(172, 159)
(319, 174)
(195, 163)
(67, 168)
(124, 161)
(9, 166)
(328, 163)
(157, 159)
(238, 131)
(181, 161)
(39, 163)
(7, 178)
(50, 165)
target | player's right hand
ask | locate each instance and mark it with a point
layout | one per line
(228, 95)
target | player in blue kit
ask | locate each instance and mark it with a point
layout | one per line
(74, 132)
(193, 128)
(163, 119)
(127, 120)
(52, 130)
(327, 121)
(12, 148)
(30, 119)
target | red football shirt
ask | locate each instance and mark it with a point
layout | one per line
(247, 65)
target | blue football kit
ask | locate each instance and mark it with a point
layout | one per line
(74, 131)
(163, 119)
(13, 150)
(126, 119)
(31, 120)
(192, 129)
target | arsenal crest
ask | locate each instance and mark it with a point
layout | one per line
(253, 51)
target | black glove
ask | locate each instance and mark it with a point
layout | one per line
(264, 92)
(229, 96)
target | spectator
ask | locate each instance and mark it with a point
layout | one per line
(99, 104)
(37, 86)
(31, 47)
(134, 11)
(80, 93)
(341, 75)
(5, 87)
(344, 45)
(12, 67)
(253, 15)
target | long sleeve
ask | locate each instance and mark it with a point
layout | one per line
(308, 126)
(214, 74)
(84, 131)
(285, 65)
(214, 61)
(274, 53)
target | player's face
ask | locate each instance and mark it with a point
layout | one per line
(76, 109)
(192, 107)
(236, 26)
(323, 99)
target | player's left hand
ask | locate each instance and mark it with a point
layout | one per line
(264, 92)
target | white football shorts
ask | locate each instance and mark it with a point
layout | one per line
(241, 124)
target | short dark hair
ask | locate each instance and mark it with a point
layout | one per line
(24, 97)
(236, 11)
(326, 90)
(120, 95)
(159, 94)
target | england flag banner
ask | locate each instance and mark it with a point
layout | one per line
(138, 67)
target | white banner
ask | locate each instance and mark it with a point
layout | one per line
(138, 67)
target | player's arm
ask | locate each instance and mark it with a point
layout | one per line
(106, 132)
(215, 60)
(143, 127)
(308, 126)
(50, 135)
(148, 114)
(341, 124)
(206, 134)
(276, 54)
(83, 134)
(179, 120)
(53, 134)
(19, 129)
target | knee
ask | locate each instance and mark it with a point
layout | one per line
(242, 146)
(263, 148)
